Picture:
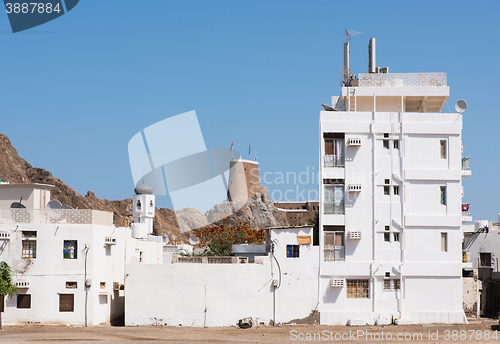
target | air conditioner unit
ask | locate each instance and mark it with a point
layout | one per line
(354, 188)
(384, 70)
(354, 141)
(22, 284)
(4, 235)
(336, 282)
(109, 240)
(354, 235)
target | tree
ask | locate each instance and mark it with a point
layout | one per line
(221, 238)
(7, 287)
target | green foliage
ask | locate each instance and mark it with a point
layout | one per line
(221, 238)
(7, 286)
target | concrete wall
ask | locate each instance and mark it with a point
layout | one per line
(228, 292)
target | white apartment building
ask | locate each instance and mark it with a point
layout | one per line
(390, 215)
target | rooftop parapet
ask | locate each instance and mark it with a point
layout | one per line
(59, 216)
(401, 79)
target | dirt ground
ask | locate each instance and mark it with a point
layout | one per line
(483, 330)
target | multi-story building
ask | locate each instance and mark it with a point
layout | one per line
(298, 213)
(390, 216)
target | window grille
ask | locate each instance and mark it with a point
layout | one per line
(357, 289)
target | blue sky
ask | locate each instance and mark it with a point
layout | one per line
(75, 90)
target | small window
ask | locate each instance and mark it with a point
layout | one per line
(386, 144)
(387, 274)
(443, 195)
(103, 285)
(357, 289)
(396, 237)
(29, 234)
(485, 259)
(443, 149)
(71, 285)
(292, 251)
(386, 190)
(391, 284)
(396, 144)
(396, 190)
(29, 249)
(66, 302)
(444, 242)
(386, 135)
(387, 234)
(23, 300)
(387, 181)
(70, 249)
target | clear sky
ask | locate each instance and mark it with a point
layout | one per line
(75, 90)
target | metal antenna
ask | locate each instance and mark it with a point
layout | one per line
(349, 33)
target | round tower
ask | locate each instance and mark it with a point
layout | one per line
(243, 179)
(143, 211)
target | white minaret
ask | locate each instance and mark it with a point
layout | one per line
(143, 211)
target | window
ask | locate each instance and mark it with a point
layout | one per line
(66, 302)
(386, 144)
(443, 195)
(102, 285)
(396, 237)
(391, 284)
(70, 249)
(23, 300)
(396, 144)
(387, 181)
(357, 289)
(334, 243)
(29, 249)
(387, 234)
(444, 242)
(386, 190)
(443, 149)
(29, 234)
(292, 251)
(396, 190)
(71, 285)
(334, 150)
(485, 259)
(334, 199)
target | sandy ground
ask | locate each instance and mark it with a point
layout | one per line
(483, 330)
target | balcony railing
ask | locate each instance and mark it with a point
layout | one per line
(73, 216)
(333, 253)
(334, 161)
(402, 79)
(466, 209)
(334, 208)
(465, 164)
(211, 260)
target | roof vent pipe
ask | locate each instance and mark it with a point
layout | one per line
(346, 59)
(371, 56)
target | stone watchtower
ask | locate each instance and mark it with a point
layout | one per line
(243, 179)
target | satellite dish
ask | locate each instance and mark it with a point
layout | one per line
(327, 107)
(17, 205)
(65, 206)
(193, 240)
(166, 240)
(461, 105)
(54, 204)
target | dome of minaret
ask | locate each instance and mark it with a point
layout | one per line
(144, 189)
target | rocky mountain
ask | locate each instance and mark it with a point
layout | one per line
(259, 211)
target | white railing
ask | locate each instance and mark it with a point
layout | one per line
(334, 161)
(402, 79)
(211, 260)
(333, 253)
(73, 216)
(465, 164)
(334, 208)
(4, 235)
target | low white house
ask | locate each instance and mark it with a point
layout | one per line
(69, 264)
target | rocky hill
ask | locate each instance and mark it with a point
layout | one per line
(259, 211)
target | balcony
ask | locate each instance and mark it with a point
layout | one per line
(334, 208)
(465, 168)
(334, 253)
(334, 161)
(4, 235)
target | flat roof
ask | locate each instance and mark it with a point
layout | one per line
(26, 186)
